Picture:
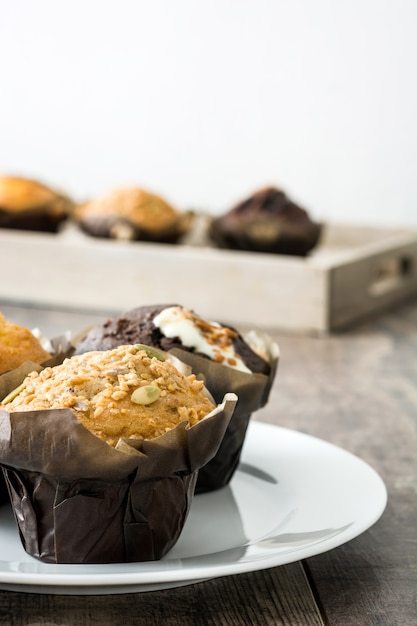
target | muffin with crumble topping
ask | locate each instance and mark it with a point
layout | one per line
(27, 204)
(130, 214)
(101, 454)
(217, 353)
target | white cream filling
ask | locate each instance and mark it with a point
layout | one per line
(44, 341)
(174, 322)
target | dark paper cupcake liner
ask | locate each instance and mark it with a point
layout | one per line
(252, 391)
(4, 495)
(78, 500)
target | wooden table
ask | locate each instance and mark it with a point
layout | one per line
(357, 389)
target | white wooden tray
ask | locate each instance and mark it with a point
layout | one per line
(354, 272)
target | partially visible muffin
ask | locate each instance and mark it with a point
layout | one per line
(27, 204)
(266, 221)
(17, 345)
(132, 213)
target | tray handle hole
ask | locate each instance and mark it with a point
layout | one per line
(390, 274)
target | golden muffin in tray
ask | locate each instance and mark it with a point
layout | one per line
(132, 213)
(27, 204)
(101, 454)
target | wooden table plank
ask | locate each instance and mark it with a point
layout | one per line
(278, 596)
(359, 390)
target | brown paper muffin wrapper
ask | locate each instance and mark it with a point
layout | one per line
(4, 495)
(253, 393)
(78, 500)
(62, 347)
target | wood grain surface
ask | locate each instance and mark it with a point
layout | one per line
(275, 596)
(357, 389)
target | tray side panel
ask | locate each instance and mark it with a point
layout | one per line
(372, 282)
(244, 288)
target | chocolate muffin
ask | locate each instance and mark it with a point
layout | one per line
(217, 354)
(132, 213)
(27, 204)
(211, 340)
(267, 221)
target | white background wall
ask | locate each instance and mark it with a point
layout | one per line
(203, 102)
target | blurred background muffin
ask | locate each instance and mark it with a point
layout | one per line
(267, 221)
(132, 213)
(27, 204)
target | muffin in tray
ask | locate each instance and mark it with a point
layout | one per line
(27, 204)
(102, 452)
(267, 221)
(132, 213)
(218, 354)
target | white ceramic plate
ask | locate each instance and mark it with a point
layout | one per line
(293, 496)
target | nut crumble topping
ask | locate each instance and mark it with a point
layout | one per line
(99, 387)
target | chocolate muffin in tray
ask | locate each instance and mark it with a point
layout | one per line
(218, 354)
(266, 221)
